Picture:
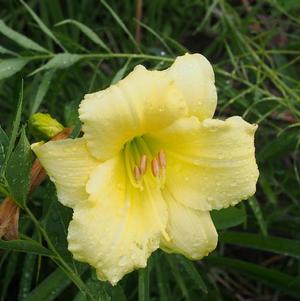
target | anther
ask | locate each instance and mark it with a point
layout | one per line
(155, 167)
(137, 173)
(143, 164)
(162, 159)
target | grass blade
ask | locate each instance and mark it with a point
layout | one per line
(14, 132)
(49, 288)
(274, 244)
(178, 277)
(121, 23)
(4, 50)
(259, 215)
(87, 31)
(143, 285)
(22, 245)
(4, 141)
(27, 275)
(284, 282)
(42, 25)
(9, 67)
(120, 74)
(42, 91)
(9, 274)
(18, 170)
(192, 271)
(20, 39)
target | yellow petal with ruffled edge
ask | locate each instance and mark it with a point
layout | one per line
(118, 228)
(69, 164)
(194, 77)
(211, 164)
(192, 232)
(145, 101)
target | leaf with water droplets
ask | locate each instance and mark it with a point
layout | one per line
(18, 170)
(59, 61)
(10, 67)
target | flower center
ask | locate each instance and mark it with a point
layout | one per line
(142, 163)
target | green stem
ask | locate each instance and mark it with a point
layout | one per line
(57, 258)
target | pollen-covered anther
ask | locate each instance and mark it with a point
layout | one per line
(155, 167)
(162, 159)
(137, 173)
(143, 164)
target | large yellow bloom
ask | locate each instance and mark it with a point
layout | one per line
(150, 166)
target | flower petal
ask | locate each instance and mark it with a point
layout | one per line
(68, 163)
(194, 77)
(192, 232)
(144, 101)
(118, 228)
(211, 165)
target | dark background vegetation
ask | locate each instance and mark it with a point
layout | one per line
(254, 47)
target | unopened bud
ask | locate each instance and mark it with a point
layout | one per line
(43, 126)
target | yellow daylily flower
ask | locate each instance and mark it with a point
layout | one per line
(150, 166)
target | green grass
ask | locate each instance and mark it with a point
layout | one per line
(65, 49)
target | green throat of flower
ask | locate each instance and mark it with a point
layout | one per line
(142, 164)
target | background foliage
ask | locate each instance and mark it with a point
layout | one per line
(64, 49)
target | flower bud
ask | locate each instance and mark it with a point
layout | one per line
(43, 126)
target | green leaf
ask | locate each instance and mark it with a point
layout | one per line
(120, 74)
(284, 282)
(4, 50)
(228, 217)
(28, 273)
(3, 146)
(258, 215)
(14, 131)
(143, 284)
(190, 268)
(121, 23)
(20, 39)
(179, 278)
(42, 91)
(163, 282)
(278, 147)
(9, 67)
(87, 31)
(22, 245)
(49, 288)
(59, 61)
(41, 24)
(18, 170)
(274, 244)
(8, 274)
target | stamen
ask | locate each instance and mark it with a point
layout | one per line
(137, 173)
(143, 164)
(155, 167)
(162, 159)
